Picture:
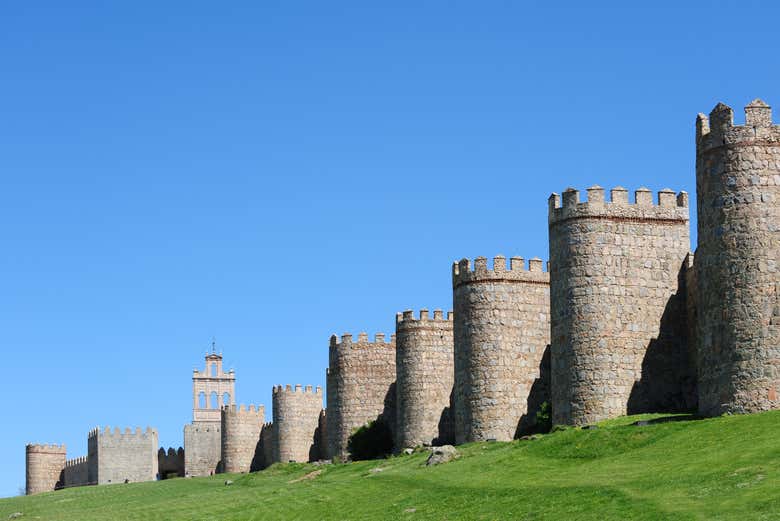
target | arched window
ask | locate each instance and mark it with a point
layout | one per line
(202, 404)
(213, 369)
(214, 400)
(226, 399)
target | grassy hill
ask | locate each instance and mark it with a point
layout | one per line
(722, 468)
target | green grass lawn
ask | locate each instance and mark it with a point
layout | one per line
(722, 468)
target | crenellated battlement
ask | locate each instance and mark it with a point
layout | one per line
(407, 319)
(277, 389)
(45, 448)
(669, 206)
(534, 273)
(82, 460)
(119, 433)
(362, 341)
(718, 128)
(251, 410)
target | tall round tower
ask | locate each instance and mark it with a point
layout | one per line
(738, 260)
(296, 419)
(501, 330)
(240, 436)
(360, 387)
(45, 464)
(425, 374)
(617, 321)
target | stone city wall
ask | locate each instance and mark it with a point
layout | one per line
(618, 327)
(425, 376)
(360, 387)
(296, 413)
(267, 446)
(501, 332)
(76, 472)
(202, 448)
(124, 456)
(44, 464)
(170, 463)
(241, 428)
(738, 189)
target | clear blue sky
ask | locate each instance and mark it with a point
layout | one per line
(269, 173)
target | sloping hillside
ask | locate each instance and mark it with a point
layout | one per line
(723, 468)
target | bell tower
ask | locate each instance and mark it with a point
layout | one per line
(212, 388)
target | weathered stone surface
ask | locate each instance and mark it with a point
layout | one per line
(122, 456)
(212, 388)
(240, 436)
(296, 413)
(617, 320)
(76, 472)
(267, 447)
(442, 454)
(738, 201)
(425, 375)
(360, 387)
(44, 463)
(202, 448)
(501, 330)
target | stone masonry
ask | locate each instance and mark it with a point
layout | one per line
(425, 375)
(44, 465)
(170, 463)
(626, 320)
(76, 472)
(265, 457)
(296, 413)
(501, 332)
(202, 438)
(615, 312)
(202, 448)
(360, 387)
(241, 428)
(738, 189)
(122, 456)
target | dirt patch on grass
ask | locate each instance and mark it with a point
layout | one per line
(311, 475)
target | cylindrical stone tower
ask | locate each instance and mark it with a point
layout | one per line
(361, 387)
(296, 419)
(618, 325)
(738, 260)
(501, 330)
(241, 428)
(44, 464)
(425, 374)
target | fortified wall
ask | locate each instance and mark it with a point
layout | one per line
(618, 330)
(626, 320)
(738, 188)
(425, 374)
(296, 415)
(122, 456)
(44, 464)
(501, 332)
(240, 436)
(267, 449)
(360, 386)
(202, 448)
(76, 472)
(170, 463)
